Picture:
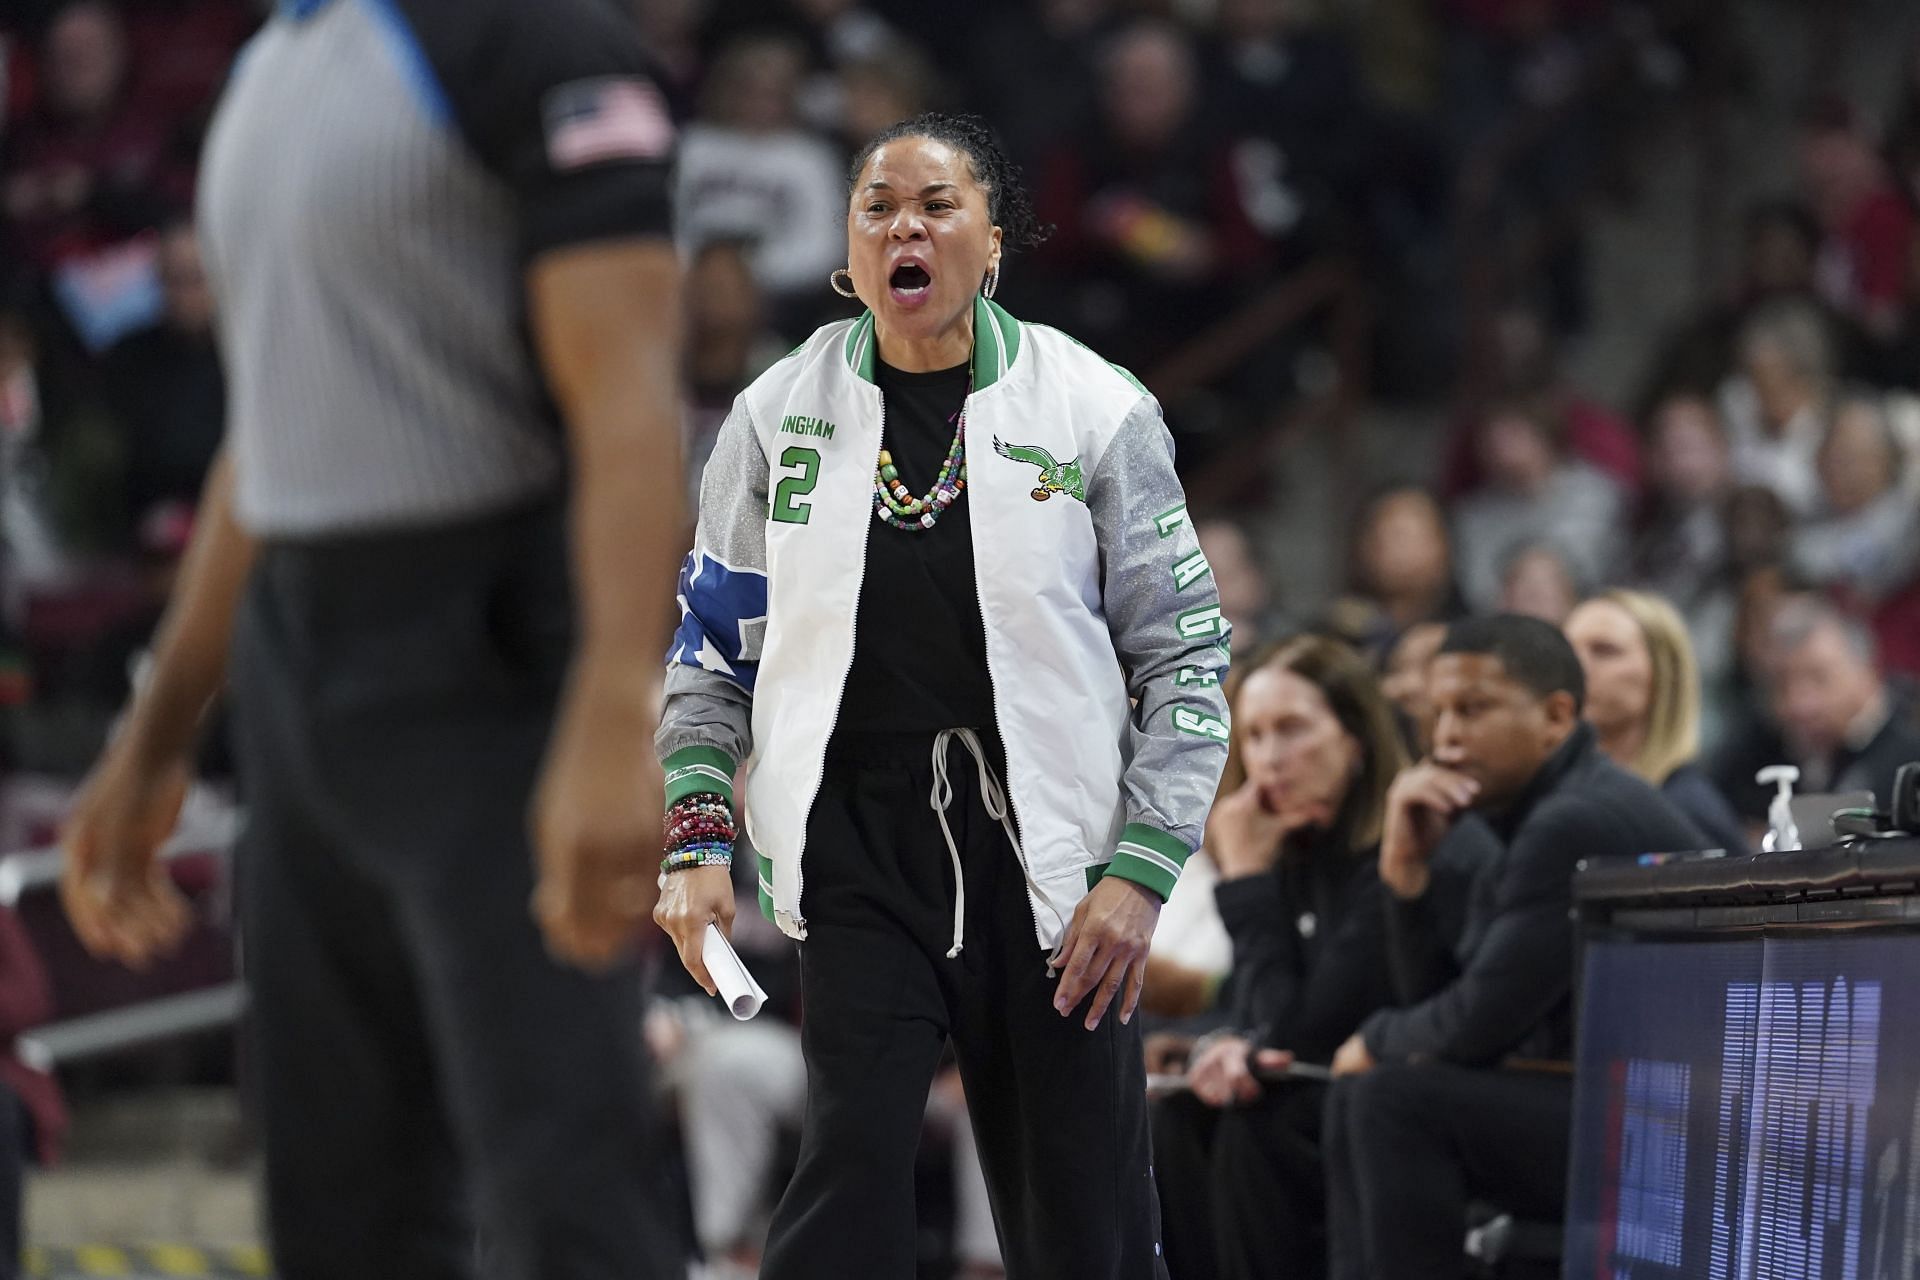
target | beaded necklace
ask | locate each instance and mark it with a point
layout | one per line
(895, 505)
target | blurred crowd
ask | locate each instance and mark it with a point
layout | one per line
(1275, 212)
(111, 396)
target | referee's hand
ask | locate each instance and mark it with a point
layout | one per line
(118, 896)
(596, 826)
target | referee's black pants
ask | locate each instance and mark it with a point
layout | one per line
(1408, 1146)
(1059, 1112)
(428, 1076)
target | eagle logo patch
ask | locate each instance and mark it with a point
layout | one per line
(1055, 477)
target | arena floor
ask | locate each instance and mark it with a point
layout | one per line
(146, 1262)
(155, 1183)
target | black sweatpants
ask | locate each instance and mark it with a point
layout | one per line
(428, 1075)
(1242, 1188)
(1060, 1113)
(1407, 1146)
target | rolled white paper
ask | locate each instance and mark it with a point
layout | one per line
(741, 993)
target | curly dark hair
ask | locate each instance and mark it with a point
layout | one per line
(1007, 201)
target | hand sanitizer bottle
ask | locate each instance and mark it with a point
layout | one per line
(1781, 833)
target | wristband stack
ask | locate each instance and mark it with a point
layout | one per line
(699, 833)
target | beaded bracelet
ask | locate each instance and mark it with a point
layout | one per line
(700, 815)
(703, 800)
(703, 846)
(699, 833)
(698, 827)
(685, 859)
(699, 810)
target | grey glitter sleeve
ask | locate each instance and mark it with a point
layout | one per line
(1163, 613)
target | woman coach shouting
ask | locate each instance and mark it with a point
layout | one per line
(946, 590)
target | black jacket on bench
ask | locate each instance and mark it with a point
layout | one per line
(1506, 986)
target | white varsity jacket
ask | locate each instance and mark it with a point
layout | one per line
(1104, 637)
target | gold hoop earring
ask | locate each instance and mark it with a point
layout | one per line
(846, 291)
(992, 285)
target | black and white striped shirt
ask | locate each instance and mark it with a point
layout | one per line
(378, 177)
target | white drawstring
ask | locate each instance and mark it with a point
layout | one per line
(991, 796)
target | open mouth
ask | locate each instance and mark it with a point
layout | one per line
(909, 280)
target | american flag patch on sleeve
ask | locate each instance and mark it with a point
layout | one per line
(606, 118)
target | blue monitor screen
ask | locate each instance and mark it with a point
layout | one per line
(1745, 1109)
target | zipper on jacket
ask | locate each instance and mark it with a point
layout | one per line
(993, 685)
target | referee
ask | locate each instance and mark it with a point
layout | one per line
(439, 534)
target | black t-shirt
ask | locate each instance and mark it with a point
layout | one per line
(920, 650)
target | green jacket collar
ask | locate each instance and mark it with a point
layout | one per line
(996, 344)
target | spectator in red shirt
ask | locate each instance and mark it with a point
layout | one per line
(1154, 231)
(1865, 264)
(91, 164)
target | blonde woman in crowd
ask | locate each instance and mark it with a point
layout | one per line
(1643, 701)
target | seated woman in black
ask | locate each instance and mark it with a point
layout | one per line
(1295, 832)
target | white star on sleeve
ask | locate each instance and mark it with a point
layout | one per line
(710, 658)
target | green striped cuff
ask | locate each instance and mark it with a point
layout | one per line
(1150, 857)
(692, 770)
(766, 887)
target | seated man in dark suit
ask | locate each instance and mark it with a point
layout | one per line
(1417, 1122)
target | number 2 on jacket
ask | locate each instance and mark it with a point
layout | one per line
(786, 507)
